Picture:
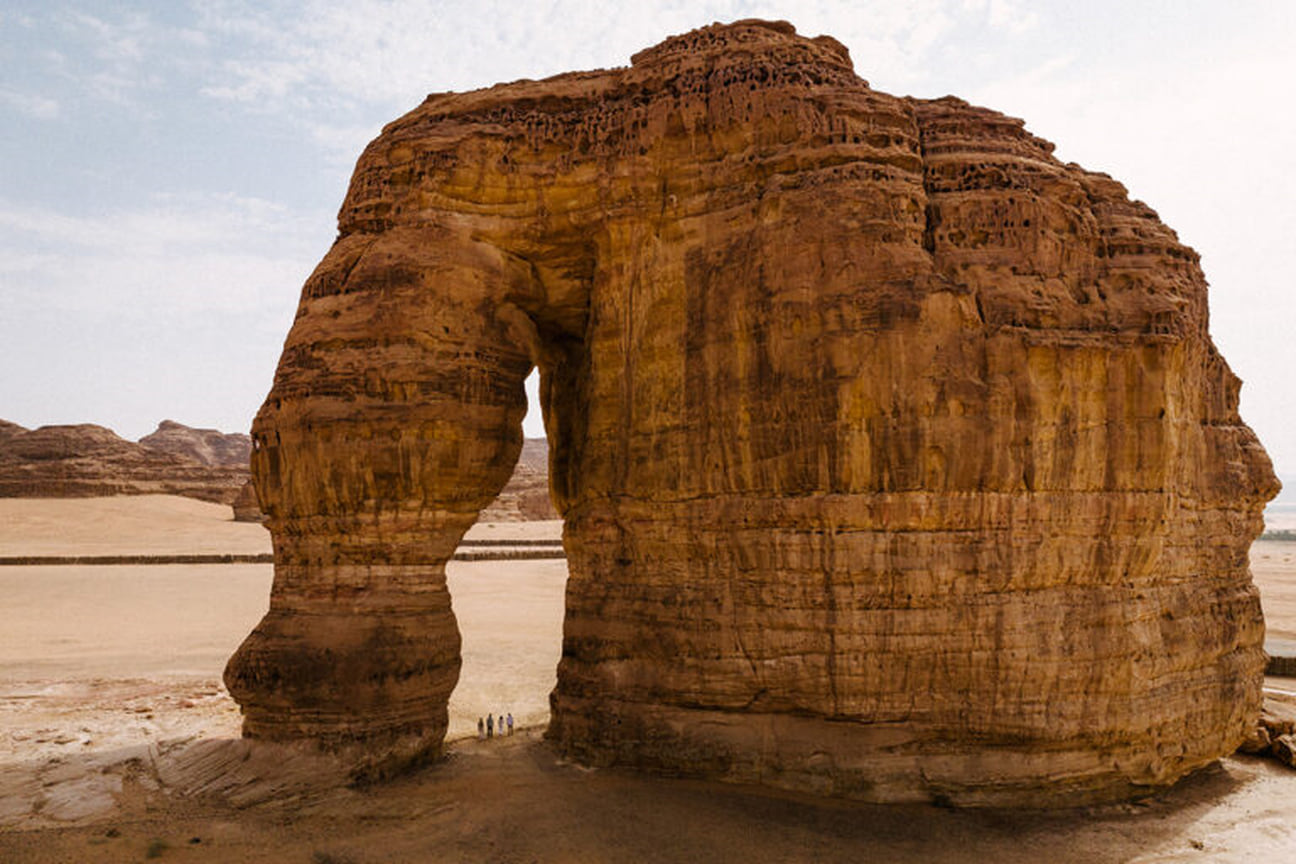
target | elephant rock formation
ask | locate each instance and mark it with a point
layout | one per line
(895, 458)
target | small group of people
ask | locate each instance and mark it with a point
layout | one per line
(490, 726)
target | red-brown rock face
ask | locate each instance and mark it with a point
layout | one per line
(895, 457)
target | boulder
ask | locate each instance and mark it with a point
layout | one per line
(1283, 749)
(246, 508)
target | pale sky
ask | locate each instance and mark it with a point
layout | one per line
(170, 172)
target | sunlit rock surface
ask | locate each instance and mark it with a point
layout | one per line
(895, 457)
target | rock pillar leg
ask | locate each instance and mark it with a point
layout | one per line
(394, 418)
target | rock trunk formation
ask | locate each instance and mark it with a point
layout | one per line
(895, 458)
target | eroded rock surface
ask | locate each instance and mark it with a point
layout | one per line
(895, 457)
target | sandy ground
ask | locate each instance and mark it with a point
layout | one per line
(165, 525)
(181, 623)
(511, 801)
(113, 621)
(124, 525)
(510, 616)
(501, 531)
(1273, 567)
(118, 742)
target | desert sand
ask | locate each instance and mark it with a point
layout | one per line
(117, 737)
(1273, 566)
(124, 525)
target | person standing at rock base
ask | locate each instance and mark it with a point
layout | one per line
(490, 725)
(481, 729)
(510, 723)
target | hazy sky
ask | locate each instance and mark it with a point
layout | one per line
(170, 172)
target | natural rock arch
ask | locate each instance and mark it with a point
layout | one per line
(895, 458)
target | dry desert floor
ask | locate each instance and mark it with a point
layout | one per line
(119, 743)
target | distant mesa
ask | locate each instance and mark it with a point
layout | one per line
(89, 461)
(86, 460)
(204, 446)
(526, 496)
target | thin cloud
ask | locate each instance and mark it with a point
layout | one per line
(173, 308)
(390, 53)
(342, 145)
(115, 59)
(112, 41)
(30, 104)
(19, 261)
(261, 84)
(1010, 15)
(24, 21)
(174, 258)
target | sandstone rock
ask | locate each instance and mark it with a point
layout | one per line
(7, 429)
(204, 446)
(55, 443)
(246, 508)
(895, 458)
(526, 495)
(1278, 717)
(1283, 749)
(86, 460)
(1274, 733)
(1257, 743)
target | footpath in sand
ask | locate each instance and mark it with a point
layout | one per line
(119, 743)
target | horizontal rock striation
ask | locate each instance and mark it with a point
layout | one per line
(895, 458)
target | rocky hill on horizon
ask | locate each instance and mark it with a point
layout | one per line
(204, 446)
(85, 460)
(526, 495)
